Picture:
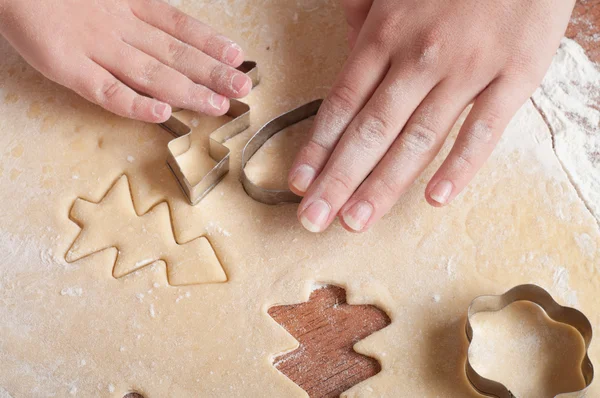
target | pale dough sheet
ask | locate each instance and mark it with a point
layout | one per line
(71, 329)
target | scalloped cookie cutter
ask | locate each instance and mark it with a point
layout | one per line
(197, 189)
(556, 312)
(265, 195)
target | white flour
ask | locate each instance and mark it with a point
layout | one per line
(569, 99)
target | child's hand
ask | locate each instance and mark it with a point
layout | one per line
(106, 50)
(414, 67)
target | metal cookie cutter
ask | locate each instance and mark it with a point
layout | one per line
(555, 311)
(265, 195)
(196, 189)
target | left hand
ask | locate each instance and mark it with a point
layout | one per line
(414, 67)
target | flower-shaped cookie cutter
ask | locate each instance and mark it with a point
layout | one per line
(196, 189)
(555, 311)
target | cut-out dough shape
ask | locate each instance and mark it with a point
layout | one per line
(328, 367)
(113, 222)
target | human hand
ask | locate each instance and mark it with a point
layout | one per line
(414, 67)
(109, 50)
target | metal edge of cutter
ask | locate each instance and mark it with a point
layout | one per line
(555, 311)
(197, 189)
(256, 192)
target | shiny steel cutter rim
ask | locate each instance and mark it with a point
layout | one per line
(240, 114)
(556, 312)
(256, 192)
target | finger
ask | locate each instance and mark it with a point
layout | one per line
(189, 30)
(148, 75)
(491, 113)
(97, 85)
(362, 73)
(417, 145)
(352, 36)
(188, 60)
(363, 145)
(356, 12)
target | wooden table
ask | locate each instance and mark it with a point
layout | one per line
(326, 327)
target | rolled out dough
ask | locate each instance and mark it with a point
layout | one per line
(71, 329)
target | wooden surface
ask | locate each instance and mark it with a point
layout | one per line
(325, 364)
(327, 327)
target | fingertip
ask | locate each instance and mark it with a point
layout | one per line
(161, 112)
(356, 217)
(440, 193)
(233, 54)
(241, 85)
(219, 105)
(315, 217)
(301, 178)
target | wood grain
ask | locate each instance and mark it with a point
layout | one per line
(327, 327)
(585, 27)
(325, 364)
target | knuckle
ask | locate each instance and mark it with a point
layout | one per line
(481, 131)
(342, 98)
(339, 181)
(464, 161)
(109, 90)
(180, 20)
(177, 51)
(419, 140)
(198, 95)
(372, 131)
(135, 107)
(386, 187)
(427, 47)
(316, 146)
(151, 70)
(386, 34)
(218, 72)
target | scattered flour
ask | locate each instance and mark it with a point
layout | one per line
(111, 388)
(143, 263)
(3, 392)
(130, 159)
(437, 298)
(569, 99)
(152, 311)
(74, 291)
(214, 228)
(561, 284)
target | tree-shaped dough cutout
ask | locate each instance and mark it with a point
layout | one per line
(141, 240)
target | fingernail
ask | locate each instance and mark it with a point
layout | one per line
(160, 109)
(302, 178)
(217, 100)
(358, 215)
(441, 192)
(239, 82)
(315, 216)
(232, 53)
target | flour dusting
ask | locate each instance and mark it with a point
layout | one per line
(569, 99)
(72, 291)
